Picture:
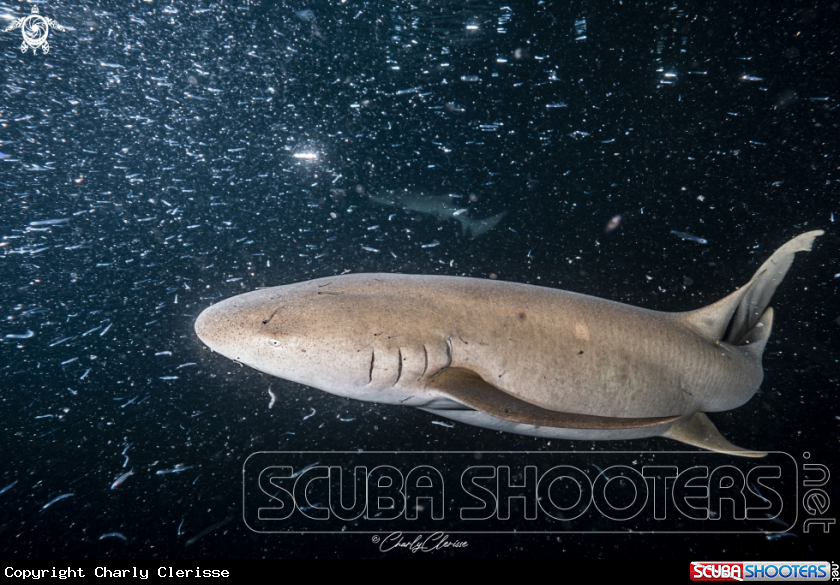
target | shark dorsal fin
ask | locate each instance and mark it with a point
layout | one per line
(468, 388)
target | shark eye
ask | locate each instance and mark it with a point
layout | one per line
(274, 342)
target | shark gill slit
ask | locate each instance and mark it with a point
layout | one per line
(448, 353)
(425, 362)
(370, 371)
(399, 365)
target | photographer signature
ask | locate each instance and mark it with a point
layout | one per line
(420, 543)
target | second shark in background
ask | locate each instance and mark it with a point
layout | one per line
(442, 207)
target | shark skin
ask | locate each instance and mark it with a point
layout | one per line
(442, 207)
(519, 358)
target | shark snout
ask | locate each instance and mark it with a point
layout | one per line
(204, 325)
(226, 326)
(210, 327)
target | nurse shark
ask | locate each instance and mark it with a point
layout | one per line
(513, 357)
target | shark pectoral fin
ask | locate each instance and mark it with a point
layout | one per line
(699, 431)
(468, 388)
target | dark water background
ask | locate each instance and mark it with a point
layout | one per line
(167, 132)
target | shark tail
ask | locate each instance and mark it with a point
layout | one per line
(478, 227)
(743, 318)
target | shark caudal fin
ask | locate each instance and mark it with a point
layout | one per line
(762, 286)
(743, 318)
(478, 227)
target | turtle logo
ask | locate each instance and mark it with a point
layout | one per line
(36, 29)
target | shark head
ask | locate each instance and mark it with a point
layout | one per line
(260, 329)
(286, 332)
